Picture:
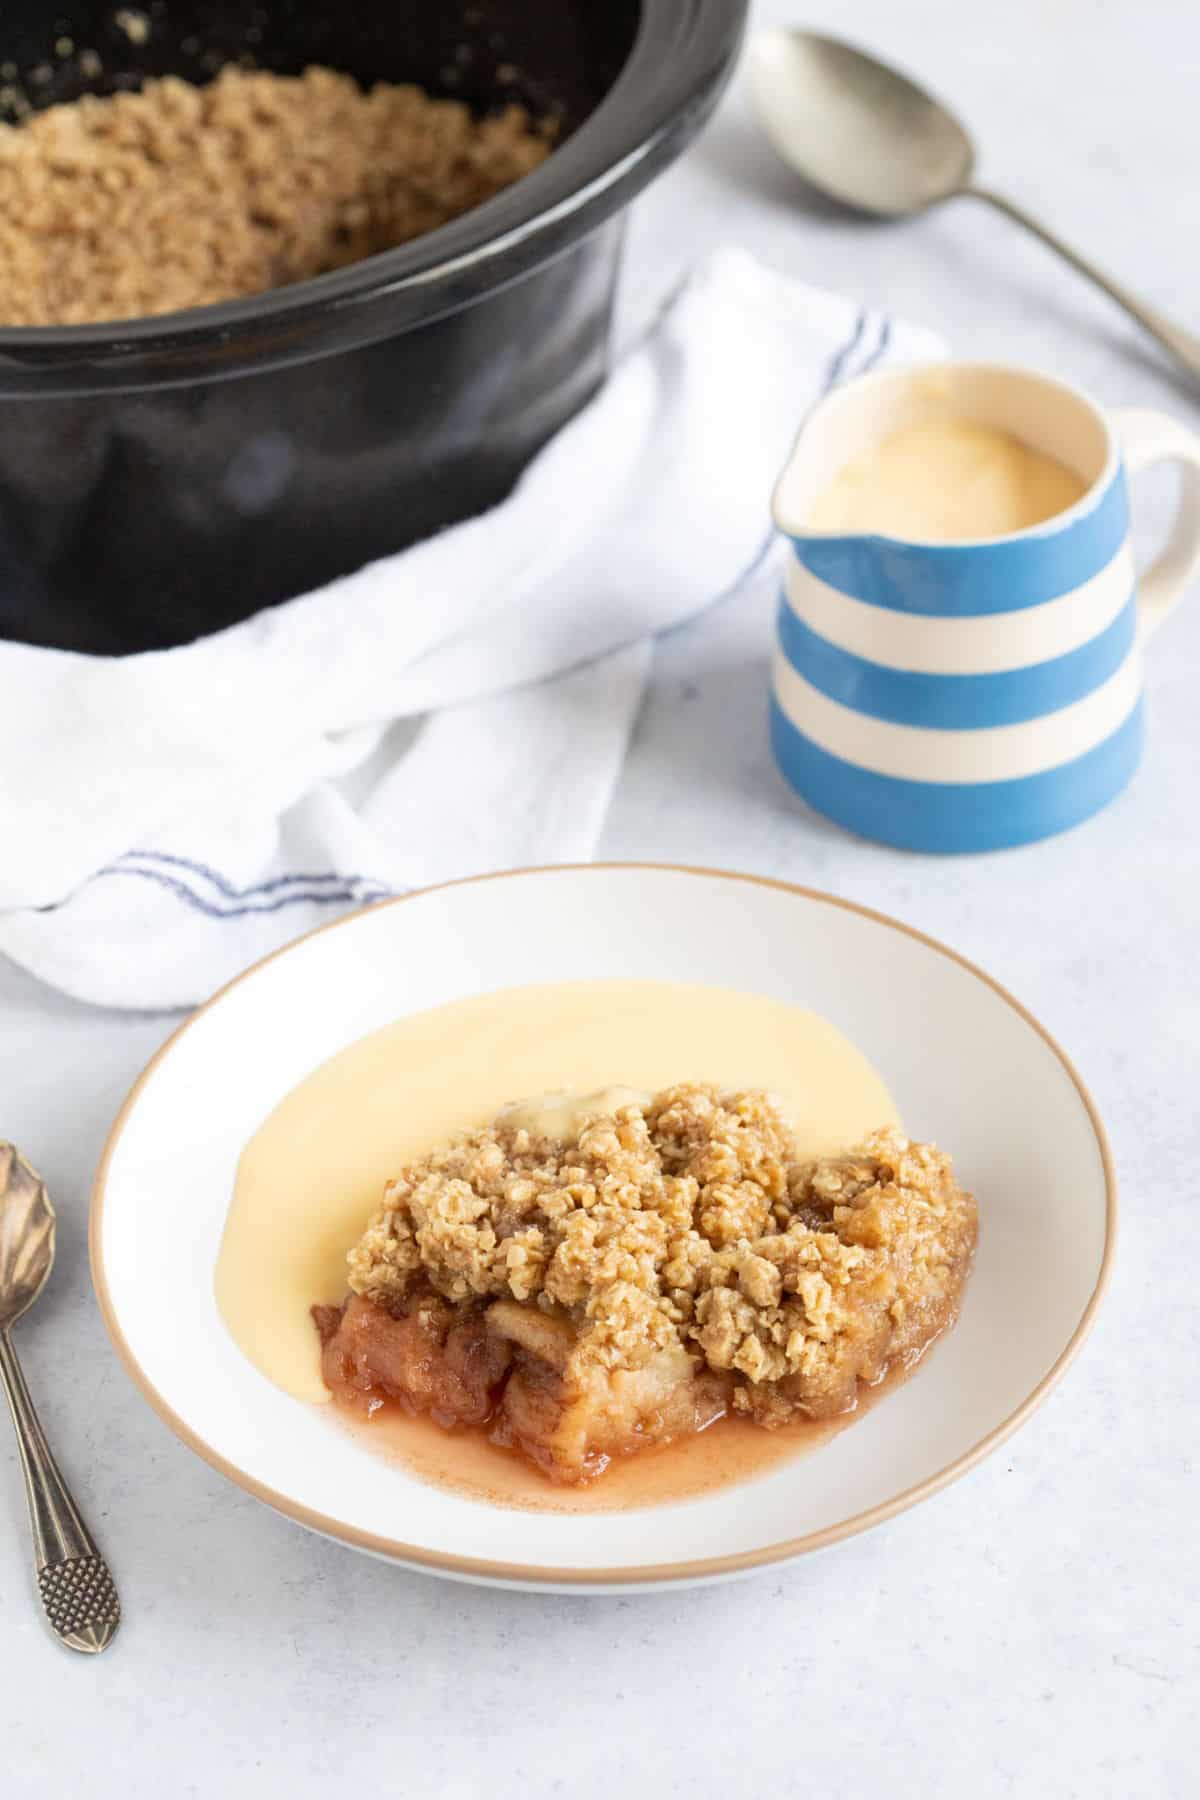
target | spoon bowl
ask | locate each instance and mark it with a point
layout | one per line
(869, 138)
(857, 130)
(26, 1235)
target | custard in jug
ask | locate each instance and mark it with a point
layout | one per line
(946, 481)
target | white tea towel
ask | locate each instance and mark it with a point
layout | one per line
(464, 705)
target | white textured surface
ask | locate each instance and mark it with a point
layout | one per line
(1033, 1631)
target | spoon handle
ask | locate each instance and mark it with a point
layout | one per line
(1184, 345)
(77, 1589)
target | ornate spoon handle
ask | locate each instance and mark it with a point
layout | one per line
(76, 1586)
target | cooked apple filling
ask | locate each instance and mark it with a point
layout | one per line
(640, 1270)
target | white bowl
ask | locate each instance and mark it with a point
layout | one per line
(966, 1063)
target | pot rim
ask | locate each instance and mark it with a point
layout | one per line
(682, 56)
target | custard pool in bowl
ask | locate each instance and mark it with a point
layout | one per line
(600, 1272)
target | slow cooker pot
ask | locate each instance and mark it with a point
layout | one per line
(162, 478)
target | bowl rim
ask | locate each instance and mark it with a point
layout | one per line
(682, 54)
(649, 1575)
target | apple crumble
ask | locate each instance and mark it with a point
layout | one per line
(642, 1267)
(175, 196)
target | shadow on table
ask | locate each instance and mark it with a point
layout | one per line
(703, 743)
(736, 153)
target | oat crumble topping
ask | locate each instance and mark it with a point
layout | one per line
(178, 195)
(689, 1226)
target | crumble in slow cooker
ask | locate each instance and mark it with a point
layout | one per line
(178, 195)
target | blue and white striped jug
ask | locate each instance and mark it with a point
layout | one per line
(974, 695)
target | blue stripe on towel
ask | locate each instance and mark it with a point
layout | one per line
(881, 349)
(838, 366)
(964, 580)
(231, 902)
(214, 910)
(329, 878)
(946, 817)
(955, 702)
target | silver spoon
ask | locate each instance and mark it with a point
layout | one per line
(863, 134)
(76, 1588)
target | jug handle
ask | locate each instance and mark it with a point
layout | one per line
(1148, 437)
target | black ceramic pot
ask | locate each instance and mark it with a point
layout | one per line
(163, 478)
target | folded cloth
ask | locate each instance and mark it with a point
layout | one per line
(464, 705)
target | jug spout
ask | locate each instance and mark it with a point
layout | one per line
(843, 425)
